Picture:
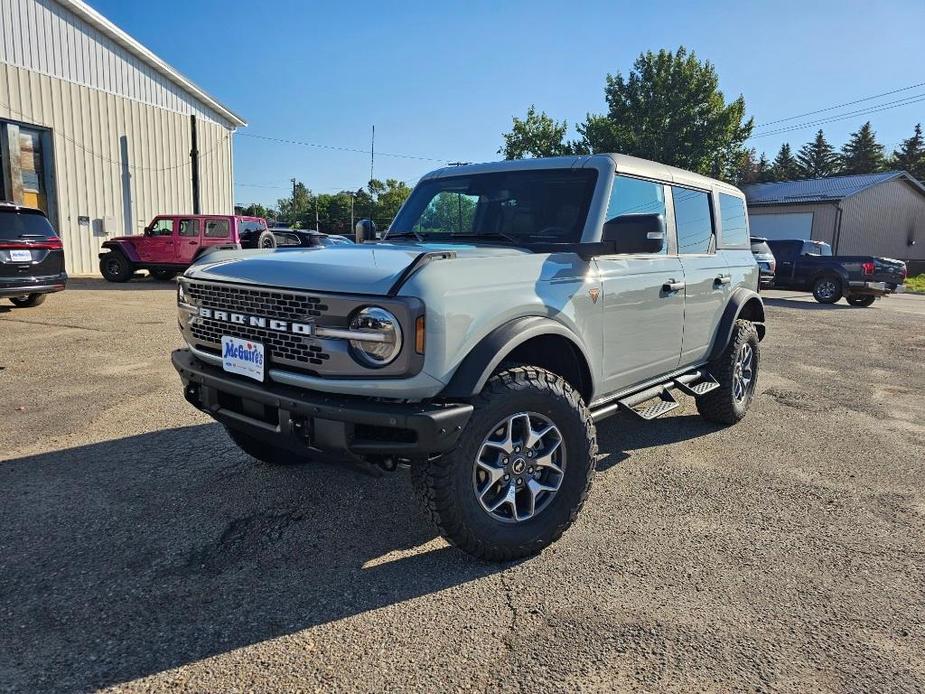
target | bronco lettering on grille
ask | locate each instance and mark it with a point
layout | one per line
(280, 326)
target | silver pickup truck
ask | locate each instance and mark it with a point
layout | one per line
(509, 308)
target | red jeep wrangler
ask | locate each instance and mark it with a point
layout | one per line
(172, 242)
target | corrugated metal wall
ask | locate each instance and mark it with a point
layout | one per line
(882, 220)
(824, 217)
(115, 159)
(44, 37)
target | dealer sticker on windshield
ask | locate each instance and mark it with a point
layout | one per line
(243, 357)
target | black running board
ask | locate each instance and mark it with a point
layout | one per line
(695, 384)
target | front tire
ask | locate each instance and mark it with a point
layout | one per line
(521, 471)
(163, 275)
(115, 267)
(736, 370)
(28, 301)
(863, 300)
(827, 289)
(264, 452)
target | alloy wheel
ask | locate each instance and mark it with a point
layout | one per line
(519, 467)
(744, 372)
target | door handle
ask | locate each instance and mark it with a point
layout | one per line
(672, 286)
(723, 279)
(194, 243)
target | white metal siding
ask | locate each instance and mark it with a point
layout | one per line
(87, 125)
(43, 36)
(882, 220)
(824, 217)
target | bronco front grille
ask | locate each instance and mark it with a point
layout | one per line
(272, 303)
(283, 347)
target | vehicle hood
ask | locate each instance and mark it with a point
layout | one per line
(360, 269)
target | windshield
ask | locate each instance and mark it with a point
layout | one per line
(18, 224)
(520, 207)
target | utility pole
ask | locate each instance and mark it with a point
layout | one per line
(353, 197)
(317, 223)
(372, 153)
(194, 160)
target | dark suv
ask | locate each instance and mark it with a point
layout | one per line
(31, 256)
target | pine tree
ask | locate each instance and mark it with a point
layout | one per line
(763, 171)
(785, 166)
(863, 154)
(911, 156)
(817, 158)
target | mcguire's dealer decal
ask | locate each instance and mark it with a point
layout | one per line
(280, 326)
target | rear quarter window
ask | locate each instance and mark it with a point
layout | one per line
(734, 221)
(217, 229)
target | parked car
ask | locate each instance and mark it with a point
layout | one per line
(810, 265)
(766, 262)
(284, 237)
(31, 256)
(172, 242)
(510, 307)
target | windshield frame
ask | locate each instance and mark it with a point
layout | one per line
(414, 208)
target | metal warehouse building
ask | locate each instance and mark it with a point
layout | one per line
(101, 133)
(879, 214)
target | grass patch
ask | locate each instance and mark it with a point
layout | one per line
(916, 284)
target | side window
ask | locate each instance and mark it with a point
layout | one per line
(217, 229)
(162, 227)
(693, 220)
(735, 221)
(636, 196)
(189, 227)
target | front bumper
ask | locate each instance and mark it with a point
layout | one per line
(875, 288)
(303, 420)
(20, 286)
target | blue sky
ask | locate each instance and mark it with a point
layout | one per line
(443, 79)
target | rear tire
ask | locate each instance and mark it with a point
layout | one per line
(115, 267)
(729, 403)
(541, 487)
(264, 452)
(28, 301)
(163, 275)
(827, 289)
(863, 300)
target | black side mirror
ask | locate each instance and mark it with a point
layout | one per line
(634, 233)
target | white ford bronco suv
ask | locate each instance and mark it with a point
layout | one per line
(508, 309)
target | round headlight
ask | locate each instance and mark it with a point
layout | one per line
(384, 336)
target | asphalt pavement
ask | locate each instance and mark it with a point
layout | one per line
(141, 551)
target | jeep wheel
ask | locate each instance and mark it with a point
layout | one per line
(861, 300)
(827, 289)
(521, 470)
(27, 301)
(115, 267)
(736, 370)
(163, 275)
(264, 452)
(267, 240)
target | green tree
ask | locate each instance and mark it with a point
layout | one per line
(537, 135)
(785, 166)
(817, 158)
(670, 109)
(763, 172)
(910, 156)
(295, 209)
(745, 169)
(255, 209)
(390, 198)
(862, 153)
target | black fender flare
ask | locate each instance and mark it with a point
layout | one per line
(126, 249)
(740, 299)
(477, 367)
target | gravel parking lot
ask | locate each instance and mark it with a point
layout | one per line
(140, 550)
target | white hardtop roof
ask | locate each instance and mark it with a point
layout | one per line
(98, 21)
(620, 163)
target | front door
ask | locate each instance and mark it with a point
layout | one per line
(188, 240)
(157, 245)
(707, 278)
(643, 297)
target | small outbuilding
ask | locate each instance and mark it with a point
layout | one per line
(880, 214)
(101, 133)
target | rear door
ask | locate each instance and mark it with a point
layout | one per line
(188, 239)
(643, 316)
(707, 281)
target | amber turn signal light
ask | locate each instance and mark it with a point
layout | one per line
(419, 335)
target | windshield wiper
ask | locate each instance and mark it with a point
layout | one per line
(489, 235)
(403, 234)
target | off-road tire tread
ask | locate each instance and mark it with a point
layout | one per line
(126, 276)
(717, 405)
(432, 478)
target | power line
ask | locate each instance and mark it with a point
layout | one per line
(847, 103)
(338, 148)
(861, 112)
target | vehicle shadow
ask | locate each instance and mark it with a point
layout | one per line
(129, 557)
(137, 283)
(624, 432)
(799, 301)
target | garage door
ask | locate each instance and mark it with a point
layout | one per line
(795, 225)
